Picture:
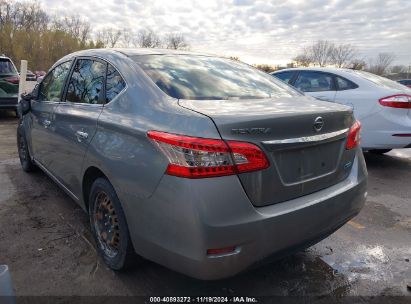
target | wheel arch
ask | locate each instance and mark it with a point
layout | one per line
(90, 175)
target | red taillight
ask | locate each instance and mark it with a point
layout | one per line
(13, 79)
(401, 101)
(353, 139)
(194, 157)
(220, 251)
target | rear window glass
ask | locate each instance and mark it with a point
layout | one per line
(345, 84)
(406, 82)
(379, 80)
(203, 77)
(7, 67)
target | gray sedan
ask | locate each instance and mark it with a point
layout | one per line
(202, 164)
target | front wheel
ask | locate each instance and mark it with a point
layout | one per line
(24, 153)
(380, 151)
(109, 226)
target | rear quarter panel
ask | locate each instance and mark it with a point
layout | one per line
(121, 148)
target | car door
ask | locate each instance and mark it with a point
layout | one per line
(42, 120)
(317, 84)
(76, 119)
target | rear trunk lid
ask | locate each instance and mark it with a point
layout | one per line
(302, 159)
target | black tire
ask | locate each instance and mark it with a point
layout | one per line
(24, 153)
(109, 226)
(379, 151)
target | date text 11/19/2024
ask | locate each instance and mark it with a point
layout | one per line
(203, 300)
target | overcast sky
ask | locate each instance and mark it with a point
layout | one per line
(259, 31)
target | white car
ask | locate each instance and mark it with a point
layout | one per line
(381, 105)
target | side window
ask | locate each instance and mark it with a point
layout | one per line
(285, 76)
(86, 82)
(314, 82)
(115, 83)
(52, 85)
(345, 84)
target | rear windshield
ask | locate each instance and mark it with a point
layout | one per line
(406, 82)
(6, 67)
(203, 77)
(379, 80)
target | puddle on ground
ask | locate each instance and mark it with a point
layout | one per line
(365, 265)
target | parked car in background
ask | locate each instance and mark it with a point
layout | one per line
(9, 84)
(202, 164)
(381, 105)
(406, 82)
(40, 73)
(31, 76)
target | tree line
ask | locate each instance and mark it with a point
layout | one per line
(324, 53)
(28, 32)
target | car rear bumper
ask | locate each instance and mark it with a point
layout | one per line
(8, 103)
(378, 131)
(184, 218)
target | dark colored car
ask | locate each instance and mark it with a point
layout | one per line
(406, 82)
(30, 76)
(202, 164)
(9, 84)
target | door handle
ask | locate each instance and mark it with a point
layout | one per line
(46, 123)
(81, 135)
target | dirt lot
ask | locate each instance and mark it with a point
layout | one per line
(45, 239)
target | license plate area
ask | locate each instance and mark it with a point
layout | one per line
(298, 165)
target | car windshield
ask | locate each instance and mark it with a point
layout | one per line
(203, 77)
(6, 67)
(379, 80)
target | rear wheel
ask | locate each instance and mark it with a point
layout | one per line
(109, 226)
(24, 153)
(380, 151)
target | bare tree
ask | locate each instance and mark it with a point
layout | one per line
(302, 60)
(75, 26)
(397, 69)
(108, 37)
(235, 58)
(266, 68)
(127, 38)
(381, 64)
(342, 55)
(320, 52)
(147, 38)
(175, 41)
(357, 64)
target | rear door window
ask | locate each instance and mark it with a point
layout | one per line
(52, 85)
(86, 83)
(308, 81)
(285, 76)
(114, 83)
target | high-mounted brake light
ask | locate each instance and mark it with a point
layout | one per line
(353, 139)
(194, 157)
(401, 101)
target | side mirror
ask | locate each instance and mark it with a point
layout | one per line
(25, 104)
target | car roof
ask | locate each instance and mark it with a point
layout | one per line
(320, 69)
(136, 51)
